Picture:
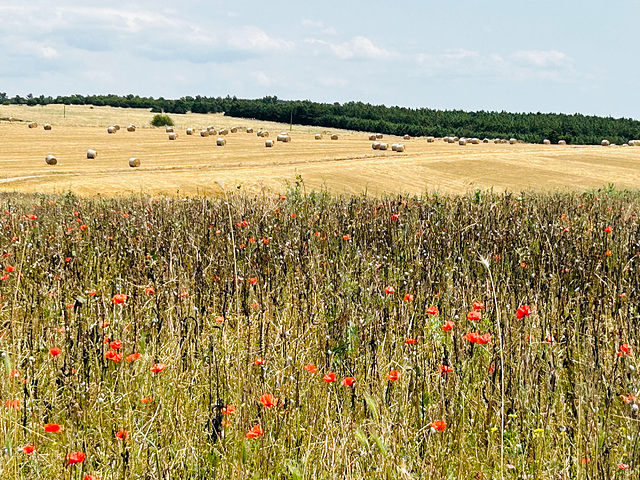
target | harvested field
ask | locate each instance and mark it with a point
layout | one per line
(193, 164)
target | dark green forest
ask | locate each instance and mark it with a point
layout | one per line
(528, 127)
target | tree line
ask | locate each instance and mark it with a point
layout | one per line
(528, 127)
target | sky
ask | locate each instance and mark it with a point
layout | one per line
(543, 56)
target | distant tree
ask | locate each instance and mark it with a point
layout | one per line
(161, 120)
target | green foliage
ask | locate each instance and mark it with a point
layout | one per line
(161, 120)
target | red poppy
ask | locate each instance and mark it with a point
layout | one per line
(255, 432)
(90, 477)
(258, 361)
(184, 294)
(623, 466)
(448, 326)
(253, 280)
(484, 338)
(28, 449)
(439, 425)
(346, 237)
(132, 357)
(146, 399)
(116, 345)
(329, 377)
(624, 350)
(55, 351)
(15, 404)
(348, 381)
(549, 339)
(228, 410)
(394, 375)
(119, 298)
(444, 369)
(9, 269)
(52, 428)
(113, 355)
(389, 290)
(432, 311)
(471, 337)
(75, 457)
(268, 400)
(474, 316)
(478, 306)
(608, 253)
(150, 291)
(122, 434)
(628, 399)
(523, 311)
(311, 368)
(158, 367)
(608, 229)
(14, 373)
(408, 297)
(92, 292)
(411, 341)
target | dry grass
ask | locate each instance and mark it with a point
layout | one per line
(192, 164)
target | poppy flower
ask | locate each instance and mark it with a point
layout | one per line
(258, 361)
(628, 399)
(623, 466)
(122, 434)
(608, 253)
(90, 477)
(146, 399)
(432, 311)
(311, 368)
(394, 375)
(113, 355)
(268, 400)
(184, 294)
(523, 311)
(55, 351)
(439, 425)
(348, 381)
(28, 449)
(474, 316)
(132, 357)
(444, 369)
(228, 410)
(116, 345)
(411, 341)
(471, 337)
(346, 237)
(158, 367)
(15, 404)
(624, 350)
(253, 280)
(448, 326)
(14, 373)
(75, 457)
(9, 269)
(608, 229)
(549, 339)
(389, 290)
(150, 291)
(255, 432)
(52, 428)
(119, 298)
(478, 306)
(92, 292)
(329, 377)
(484, 338)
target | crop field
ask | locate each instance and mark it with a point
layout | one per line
(193, 165)
(312, 336)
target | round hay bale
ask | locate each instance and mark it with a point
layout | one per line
(33, 125)
(111, 130)
(221, 142)
(234, 129)
(318, 136)
(462, 141)
(625, 144)
(46, 126)
(334, 137)
(430, 139)
(604, 143)
(134, 162)
(407, 137)
(375, 145)
(497, 140)
(224, 131)
(455, 139)
(131, 128)
(512, 141)
(91, 153)
(397, 147)
(475, 141)
(268, 143)
(384, 146)
(50, 160)
(485, 140)
(169, 129)
(546, 141)
(372, 137)
(445, 139)
(283, 138)
(265, 134)
(212, 131)
(117, 127)
(452, 139)
(562, 142)
(249, 130)
(378, 136)
(204, 133)
(189, 131)
(173, 135)
(502, 140)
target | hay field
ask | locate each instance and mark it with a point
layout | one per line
(194, 165)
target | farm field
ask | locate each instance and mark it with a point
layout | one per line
(309, 336)
(194, 165)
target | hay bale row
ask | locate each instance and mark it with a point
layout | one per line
(91, 153)
(397, 147)
(379, 146)
(634, 143)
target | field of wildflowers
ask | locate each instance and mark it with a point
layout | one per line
(311, 336)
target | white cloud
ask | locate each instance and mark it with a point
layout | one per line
(356, 48)
(261, 78)
(540, 58)
(254, 39)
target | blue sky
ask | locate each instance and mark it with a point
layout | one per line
(562, 56)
